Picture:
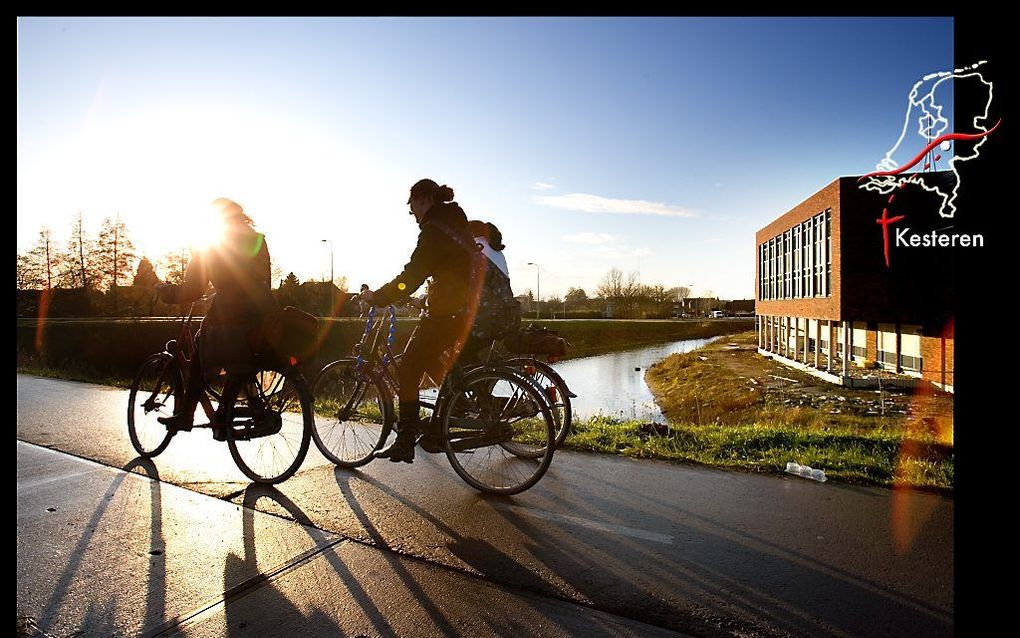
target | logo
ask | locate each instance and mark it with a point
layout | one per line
(925, 111)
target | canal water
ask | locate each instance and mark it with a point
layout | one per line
(614, 384)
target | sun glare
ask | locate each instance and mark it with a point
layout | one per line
(208, 232)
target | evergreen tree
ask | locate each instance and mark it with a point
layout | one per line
(145, 276)
(115, 251)
(116, 254)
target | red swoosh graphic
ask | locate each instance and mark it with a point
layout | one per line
(935, 142)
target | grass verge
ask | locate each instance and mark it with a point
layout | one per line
(880, 457)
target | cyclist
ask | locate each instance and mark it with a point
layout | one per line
(440, 253)
(239, 269)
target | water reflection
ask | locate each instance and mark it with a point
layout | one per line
(609, 384)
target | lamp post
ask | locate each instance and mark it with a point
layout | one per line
(332, 301)
(538, 285)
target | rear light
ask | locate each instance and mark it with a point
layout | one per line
(293, 361)
(529, 370)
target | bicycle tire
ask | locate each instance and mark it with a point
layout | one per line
(348, 430)
(148, 436)
(249, 453)
(486, 392)
(561, 407)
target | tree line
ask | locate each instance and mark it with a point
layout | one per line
(617, 295)
(101, 274)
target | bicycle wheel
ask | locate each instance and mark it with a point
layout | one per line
(354, 416)
(555, 390)
(492, 448)
(271, 426)
(156, 391)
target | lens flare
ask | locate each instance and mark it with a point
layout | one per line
(928, 437)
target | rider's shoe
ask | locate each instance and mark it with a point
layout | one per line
(408, 428)
(431, 443)
(402, 449)
(180, 422)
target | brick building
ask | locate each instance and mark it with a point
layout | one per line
(826, 300)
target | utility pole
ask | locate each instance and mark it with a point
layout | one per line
(332, 301)
(538, 286)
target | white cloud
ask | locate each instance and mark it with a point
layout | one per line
(542, 186)
(597, 204)
(593, 239)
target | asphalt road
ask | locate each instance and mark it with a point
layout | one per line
(698, 551)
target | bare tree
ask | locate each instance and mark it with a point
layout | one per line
(45, 259)
(611, 286)
(679, 293)
(79, 258)
(174, 264)
(28, 273)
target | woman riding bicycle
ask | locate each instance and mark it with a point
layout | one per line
(440, 254)
(234, 328)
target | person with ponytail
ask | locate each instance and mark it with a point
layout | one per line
(443, 252)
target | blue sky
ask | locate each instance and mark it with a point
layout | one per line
(593, 143)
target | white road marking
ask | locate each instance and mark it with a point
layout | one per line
(53, 479)
(597, 525)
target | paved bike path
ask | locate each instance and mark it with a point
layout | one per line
(103, 552)
(701, 551)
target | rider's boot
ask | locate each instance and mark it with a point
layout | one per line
(183, 420)
(409, 426)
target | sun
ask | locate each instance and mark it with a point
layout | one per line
(207, 232)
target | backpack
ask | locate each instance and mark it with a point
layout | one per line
(497, 314)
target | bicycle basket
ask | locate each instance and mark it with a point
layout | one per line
(295, 335)
(538, 340)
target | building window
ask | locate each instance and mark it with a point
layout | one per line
(910, 348)
(819, 265)
(828, 252)
(859, 351)
(804, 239)
(797, 263)
(887, 345)
(787, 265)
(771, 279)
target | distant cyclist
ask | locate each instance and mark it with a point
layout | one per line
(238, 266)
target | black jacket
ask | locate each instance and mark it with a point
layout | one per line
(439, 256)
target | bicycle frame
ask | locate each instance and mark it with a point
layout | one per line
(182, 350)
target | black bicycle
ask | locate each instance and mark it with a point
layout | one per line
(267, 428)
(494, 424)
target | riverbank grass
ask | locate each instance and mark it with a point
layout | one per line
(729, 407)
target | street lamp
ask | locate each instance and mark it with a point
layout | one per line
(332, 301)
(538, 285)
